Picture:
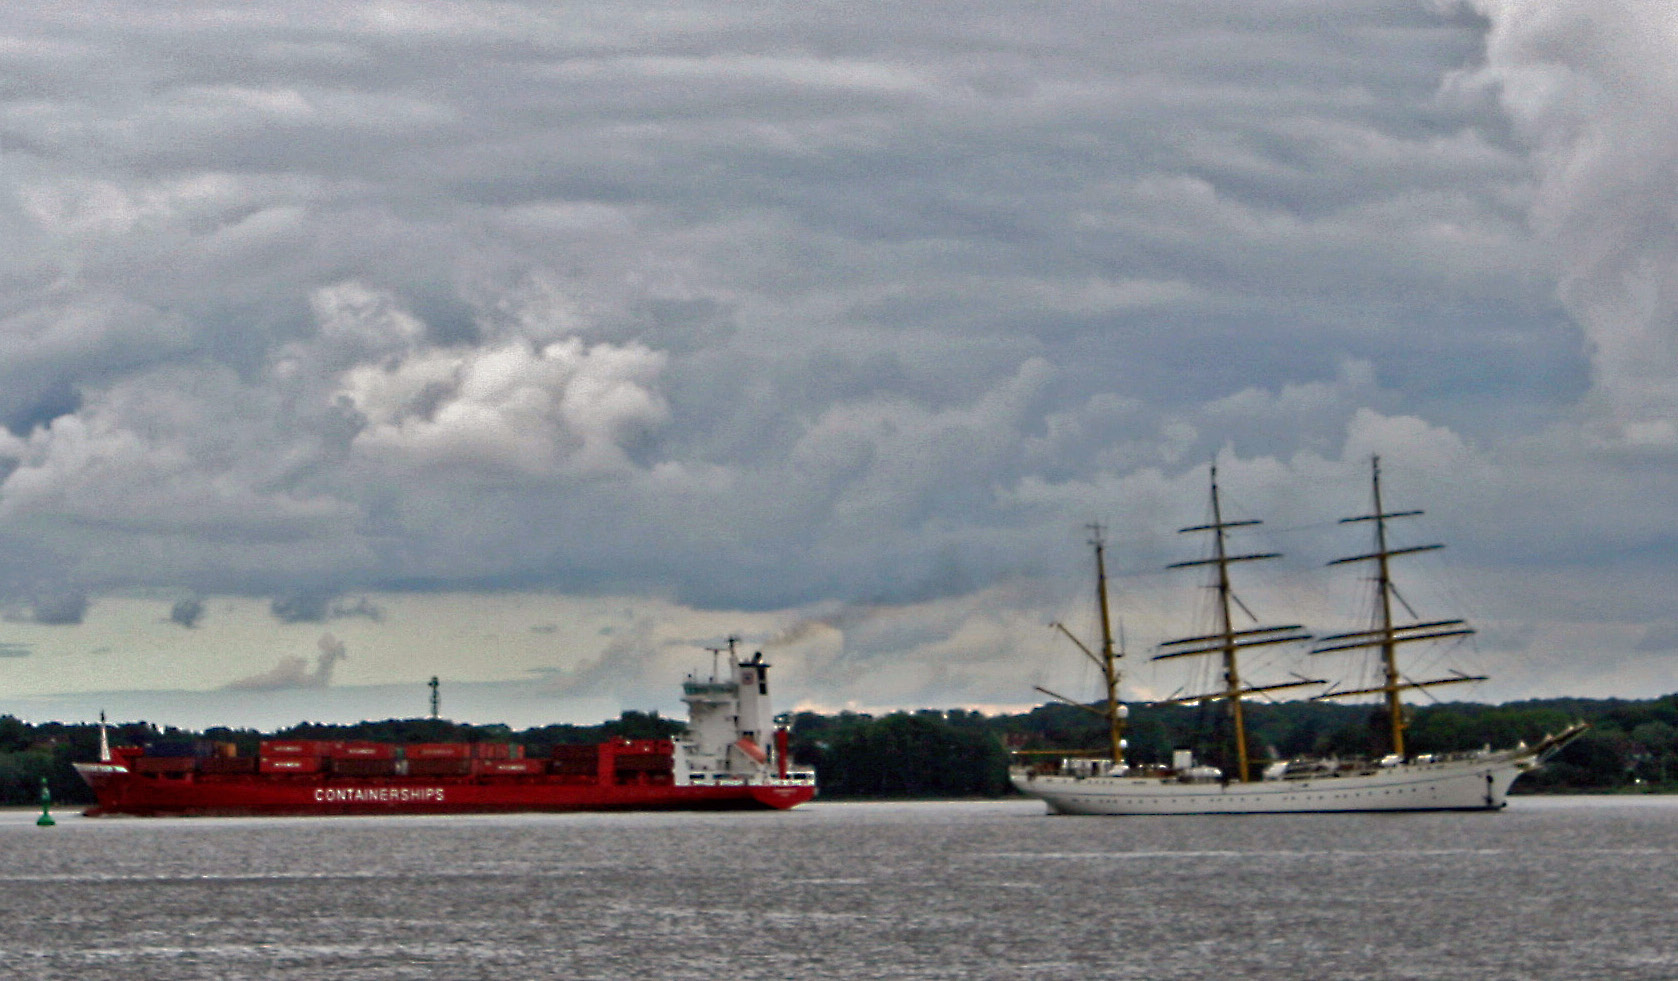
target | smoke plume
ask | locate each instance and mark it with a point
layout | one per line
(293, 673)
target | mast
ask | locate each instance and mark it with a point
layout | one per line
(1228, 640)
(1386, 634)
(1107, 660)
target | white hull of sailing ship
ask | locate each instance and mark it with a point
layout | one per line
(1478, 782)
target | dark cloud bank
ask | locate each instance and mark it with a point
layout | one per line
(764, 308)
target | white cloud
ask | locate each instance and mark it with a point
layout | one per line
(1591, 87)
(566, 407)
(368, 322)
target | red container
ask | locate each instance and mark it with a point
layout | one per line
(645, 764)
(439, 767)
(356, 767)
(572, 751)
(492, 751)
(510, 767)
(288, 764)
(363, 751)
(164, 764)
(293, 747)
(227, 764)
(439, 751)
(643, 747)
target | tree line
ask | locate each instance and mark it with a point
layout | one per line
(1631, 745)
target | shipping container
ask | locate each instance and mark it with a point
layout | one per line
(439, 751)
(164, 764)
(645, 764)
(510, 767)
(492, 751)
(293, 747)
(363, 751)
(439, 767)
(358, 767)
(575, 768)
(174, 747)
(288, 764)
(573, 751)
(643, 747)
(227, 764)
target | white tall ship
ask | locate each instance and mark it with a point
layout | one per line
(1096, 784)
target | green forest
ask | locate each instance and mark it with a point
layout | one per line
(1632, 745)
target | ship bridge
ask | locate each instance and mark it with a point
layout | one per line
(728, 716)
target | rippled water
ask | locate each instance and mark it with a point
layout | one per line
(1563, 888)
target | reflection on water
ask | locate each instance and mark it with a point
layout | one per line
(1562, 888)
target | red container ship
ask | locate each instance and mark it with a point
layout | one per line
(723, 761)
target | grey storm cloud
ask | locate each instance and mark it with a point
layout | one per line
(318, 606)
(301, 607)
(823, 304)
(59, 608)
(187, 612)
(1659, 638)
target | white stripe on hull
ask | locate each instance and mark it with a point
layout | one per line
(1480, 784)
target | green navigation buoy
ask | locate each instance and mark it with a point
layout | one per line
(45, 820)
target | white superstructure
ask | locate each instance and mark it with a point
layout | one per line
(731, 734)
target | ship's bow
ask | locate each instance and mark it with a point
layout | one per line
(107, 781)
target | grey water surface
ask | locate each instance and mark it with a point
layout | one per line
(1551, 888)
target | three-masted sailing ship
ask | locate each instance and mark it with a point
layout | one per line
(1394, 781)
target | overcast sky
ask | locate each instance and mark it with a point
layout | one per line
(537, 347)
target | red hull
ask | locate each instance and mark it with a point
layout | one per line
(123, 792)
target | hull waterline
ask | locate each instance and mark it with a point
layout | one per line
(121, 792)
(1467, 785)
